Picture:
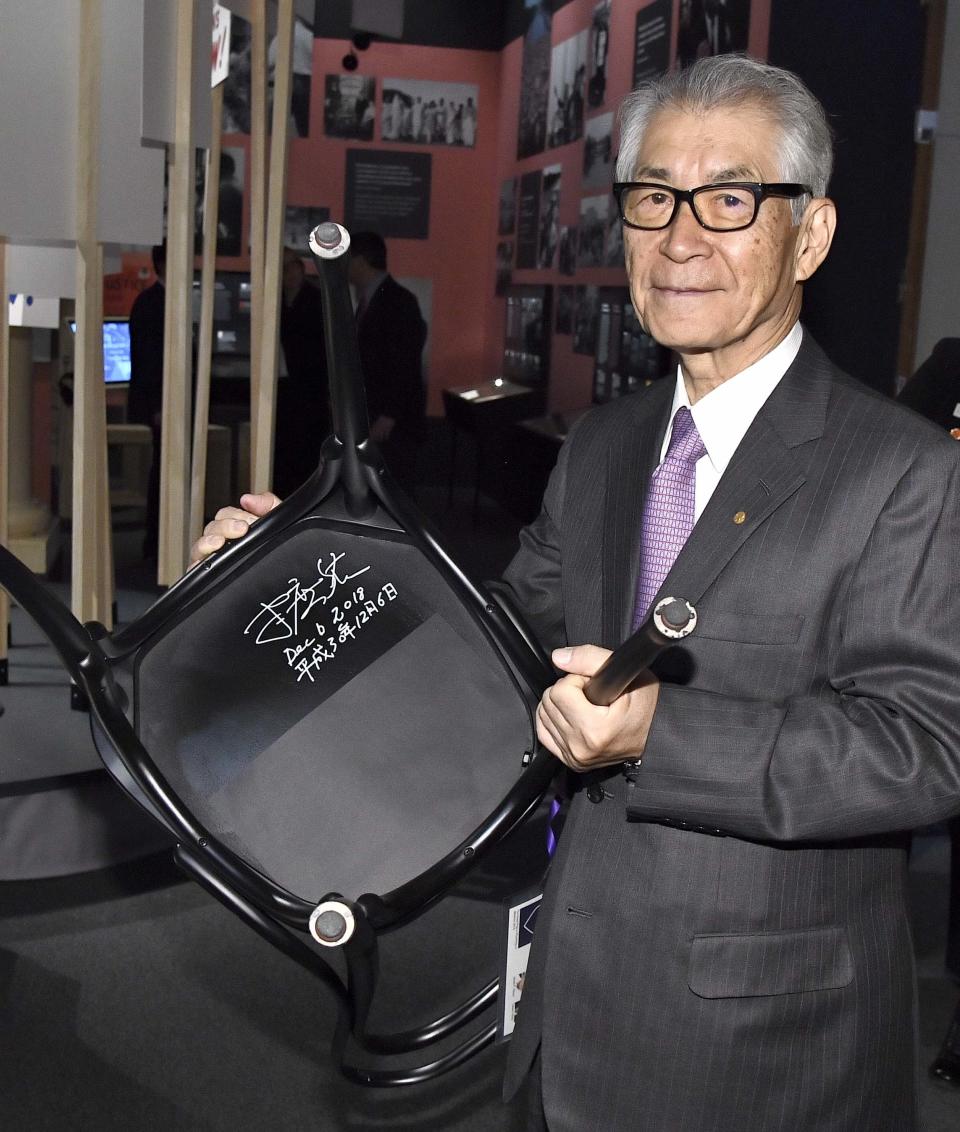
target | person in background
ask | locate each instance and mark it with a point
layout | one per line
(145, 396)
(934, 392)
(303, 413)
(390, 335)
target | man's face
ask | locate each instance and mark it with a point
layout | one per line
(732, 293)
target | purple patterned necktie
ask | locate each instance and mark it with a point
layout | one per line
(668, 514)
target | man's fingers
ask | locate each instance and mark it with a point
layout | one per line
(583, 660)
(259, 503)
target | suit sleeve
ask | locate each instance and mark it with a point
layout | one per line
(877, 749)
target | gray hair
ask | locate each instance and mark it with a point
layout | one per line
(806, 140)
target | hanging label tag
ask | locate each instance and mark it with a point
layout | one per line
(520, 922)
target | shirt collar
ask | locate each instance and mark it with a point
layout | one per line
(723, 416)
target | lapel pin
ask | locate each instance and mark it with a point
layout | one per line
(740, 517)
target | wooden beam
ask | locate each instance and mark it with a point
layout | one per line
(258, 206)
(265, 410)
(89, 588)
(178, 316)
(208, 279)
(4, 443)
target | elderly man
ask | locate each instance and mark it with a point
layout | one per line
(724, 942)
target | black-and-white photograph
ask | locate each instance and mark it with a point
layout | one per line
(534, 80)
(568, 71)
(301, 78)
(236, 86)
(598, 152)
(711, 27)
(599, 49)
(565, 307)
(429, 113)
(613, 239)
(567, 257)
(349, 106)
(298, 222)
(549, 216)
(504, 266)
(594, 220)
(585, 320)
(507, 216)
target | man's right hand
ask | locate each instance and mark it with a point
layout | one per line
(232, 523)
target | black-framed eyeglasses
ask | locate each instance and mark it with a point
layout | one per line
(726, 206)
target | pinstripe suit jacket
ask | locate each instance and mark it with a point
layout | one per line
(725, 946)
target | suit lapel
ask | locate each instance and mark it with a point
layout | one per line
(768, 467)
(631, 458)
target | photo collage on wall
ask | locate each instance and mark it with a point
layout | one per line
(237, 119)
(563, 99)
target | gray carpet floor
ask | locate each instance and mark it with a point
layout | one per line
(133, 1001)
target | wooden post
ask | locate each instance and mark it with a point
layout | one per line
(89, 588)
(265, 410)
(208, 278)
(258, 207)
(4, 449)
(178, 320)
(936, 17)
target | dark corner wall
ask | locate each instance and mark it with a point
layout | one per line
(863, 61)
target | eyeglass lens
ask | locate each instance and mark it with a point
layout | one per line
(652, 206)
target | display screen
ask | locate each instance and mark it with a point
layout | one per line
(116, 350)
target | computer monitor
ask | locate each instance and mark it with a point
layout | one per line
(116, 350)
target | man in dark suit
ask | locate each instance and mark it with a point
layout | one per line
(934, 392)
(145, 396)
(724, 941)
(390, 336)
(303, 413)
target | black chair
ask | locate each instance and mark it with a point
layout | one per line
(331, 718)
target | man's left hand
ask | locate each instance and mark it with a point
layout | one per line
(582, 735)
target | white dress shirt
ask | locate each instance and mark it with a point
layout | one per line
(723, 416)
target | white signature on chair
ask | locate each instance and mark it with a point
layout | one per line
(288, 616)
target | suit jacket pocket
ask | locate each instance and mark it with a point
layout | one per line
(767, 963)
(749, 628)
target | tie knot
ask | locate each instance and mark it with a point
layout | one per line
(685, 442)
